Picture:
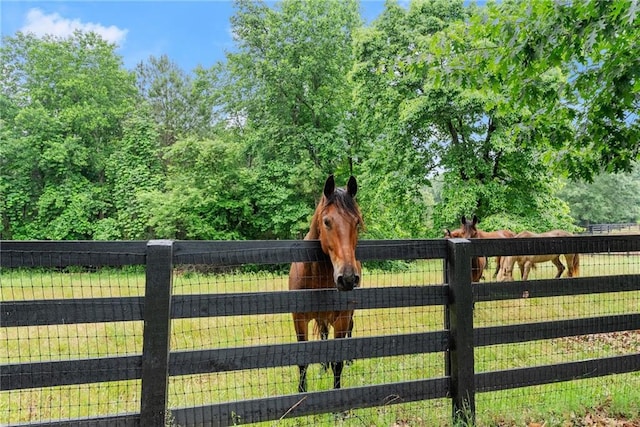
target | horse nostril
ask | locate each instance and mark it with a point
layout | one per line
(342, 284)
(347, 282)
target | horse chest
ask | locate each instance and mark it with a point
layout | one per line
(320, 275)
(311, 275)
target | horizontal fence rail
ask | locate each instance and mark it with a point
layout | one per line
(458, 339)
(563, 245)
(554, 329)
(608, 228)
(549, 287)
(47, 253)
(548, 374)
(256, 410)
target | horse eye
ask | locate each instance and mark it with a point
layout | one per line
(327, 222)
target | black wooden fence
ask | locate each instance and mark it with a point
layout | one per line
(458, 340)
(629, 227)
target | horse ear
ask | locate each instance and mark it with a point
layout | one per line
(352, 186)
(463, 220)
(329, 186)
(475, 220)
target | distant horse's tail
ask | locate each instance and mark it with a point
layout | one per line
(576, 265)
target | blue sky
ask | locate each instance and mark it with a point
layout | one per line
(191, 33)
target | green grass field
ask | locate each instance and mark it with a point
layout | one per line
(556, 404)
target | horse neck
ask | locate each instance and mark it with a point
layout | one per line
(314, 231)
(483, 234)
(320, 272)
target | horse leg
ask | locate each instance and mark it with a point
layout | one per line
(324, 335)
(559, 265)
(477, 267)
(569, 259)
(350, 361)
(505, 269)
(341, 329)
(337, 373)
(521, 267)
(527, 268)
(498, 263)
(301, 325)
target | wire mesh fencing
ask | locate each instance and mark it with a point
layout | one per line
(71, 339)
(563, 316)
(244, 333)
(52, 349)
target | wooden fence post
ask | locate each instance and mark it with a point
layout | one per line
(447, 320)
(157, 330)
(461, 350)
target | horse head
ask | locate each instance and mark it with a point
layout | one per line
(469, 230)
(448, 234)
(338, 220)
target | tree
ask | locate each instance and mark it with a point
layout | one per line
(610, 198)
(64, 101)
(18, 183)
(203, 196)
(437, 107)
(133, 169)
(594, 43)
(286, 95)
(175, 98)
(397, 162)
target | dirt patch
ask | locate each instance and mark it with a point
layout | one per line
(597, 418)
(623, 342)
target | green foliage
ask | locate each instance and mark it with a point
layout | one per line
(397, 155)
(452, 114)
(595, 45)
(203, 196)
(286, 94)
(440, 109)
(132, 170)
(177, 102)
(610, 198)
(282, 201)
(63, 103)
(67, 210)
(393, 207)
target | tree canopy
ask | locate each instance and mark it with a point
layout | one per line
(524, 113)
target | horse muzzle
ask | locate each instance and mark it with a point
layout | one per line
(348, 280)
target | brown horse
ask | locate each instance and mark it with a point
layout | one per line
(527, 262)
(470, 231)
(336, 222)
(478, 264)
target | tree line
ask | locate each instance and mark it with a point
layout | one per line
(524, 113)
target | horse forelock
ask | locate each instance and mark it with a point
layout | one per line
(344, 202)
(469, 229)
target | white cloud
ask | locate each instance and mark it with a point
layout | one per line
(40, 24)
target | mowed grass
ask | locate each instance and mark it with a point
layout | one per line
(554, 403)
